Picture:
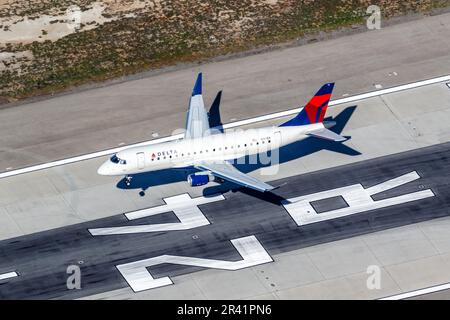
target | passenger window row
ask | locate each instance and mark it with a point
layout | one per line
(213, 150)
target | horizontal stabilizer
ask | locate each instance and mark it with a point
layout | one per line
(326, 134)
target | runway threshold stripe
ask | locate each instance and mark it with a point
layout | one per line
(8, 275)
(225, 126)
(419, 292)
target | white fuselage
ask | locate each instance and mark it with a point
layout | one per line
(187, 152)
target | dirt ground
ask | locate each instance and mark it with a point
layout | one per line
(46, 47)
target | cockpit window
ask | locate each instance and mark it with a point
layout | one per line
(116, 159)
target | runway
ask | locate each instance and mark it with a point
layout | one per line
(381, 198)
(41, 259)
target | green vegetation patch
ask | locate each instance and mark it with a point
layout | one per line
(179, 31)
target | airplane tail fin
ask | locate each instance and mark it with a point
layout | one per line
(198, 85)
(314, 111)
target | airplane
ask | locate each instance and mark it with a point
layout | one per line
(211, 152)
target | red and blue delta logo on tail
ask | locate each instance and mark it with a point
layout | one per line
(314, 111)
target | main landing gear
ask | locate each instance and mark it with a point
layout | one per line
(128, 180)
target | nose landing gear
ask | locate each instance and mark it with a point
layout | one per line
(128, 180)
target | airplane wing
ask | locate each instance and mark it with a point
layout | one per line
(226, 171)
(326, 134)
(197, 123)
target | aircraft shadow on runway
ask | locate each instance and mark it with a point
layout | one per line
(287, 153)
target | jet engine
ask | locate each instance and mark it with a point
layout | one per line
(199, 178)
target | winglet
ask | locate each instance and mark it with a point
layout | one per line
(198, 85)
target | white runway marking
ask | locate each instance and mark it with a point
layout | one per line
(225, 126)
(173, 204)
(419, 292)
(8, 275)
(183, 206)
(357, 198)
(139, 279)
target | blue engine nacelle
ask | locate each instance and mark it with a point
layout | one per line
(198, 179)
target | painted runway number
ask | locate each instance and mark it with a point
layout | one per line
(9, 275)
(356, 197)
(304, 210)
(183, 206)
(139, 278)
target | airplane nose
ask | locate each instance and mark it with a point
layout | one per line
(103, 169)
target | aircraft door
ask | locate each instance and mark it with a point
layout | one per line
(276, 140)
(140, 160)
